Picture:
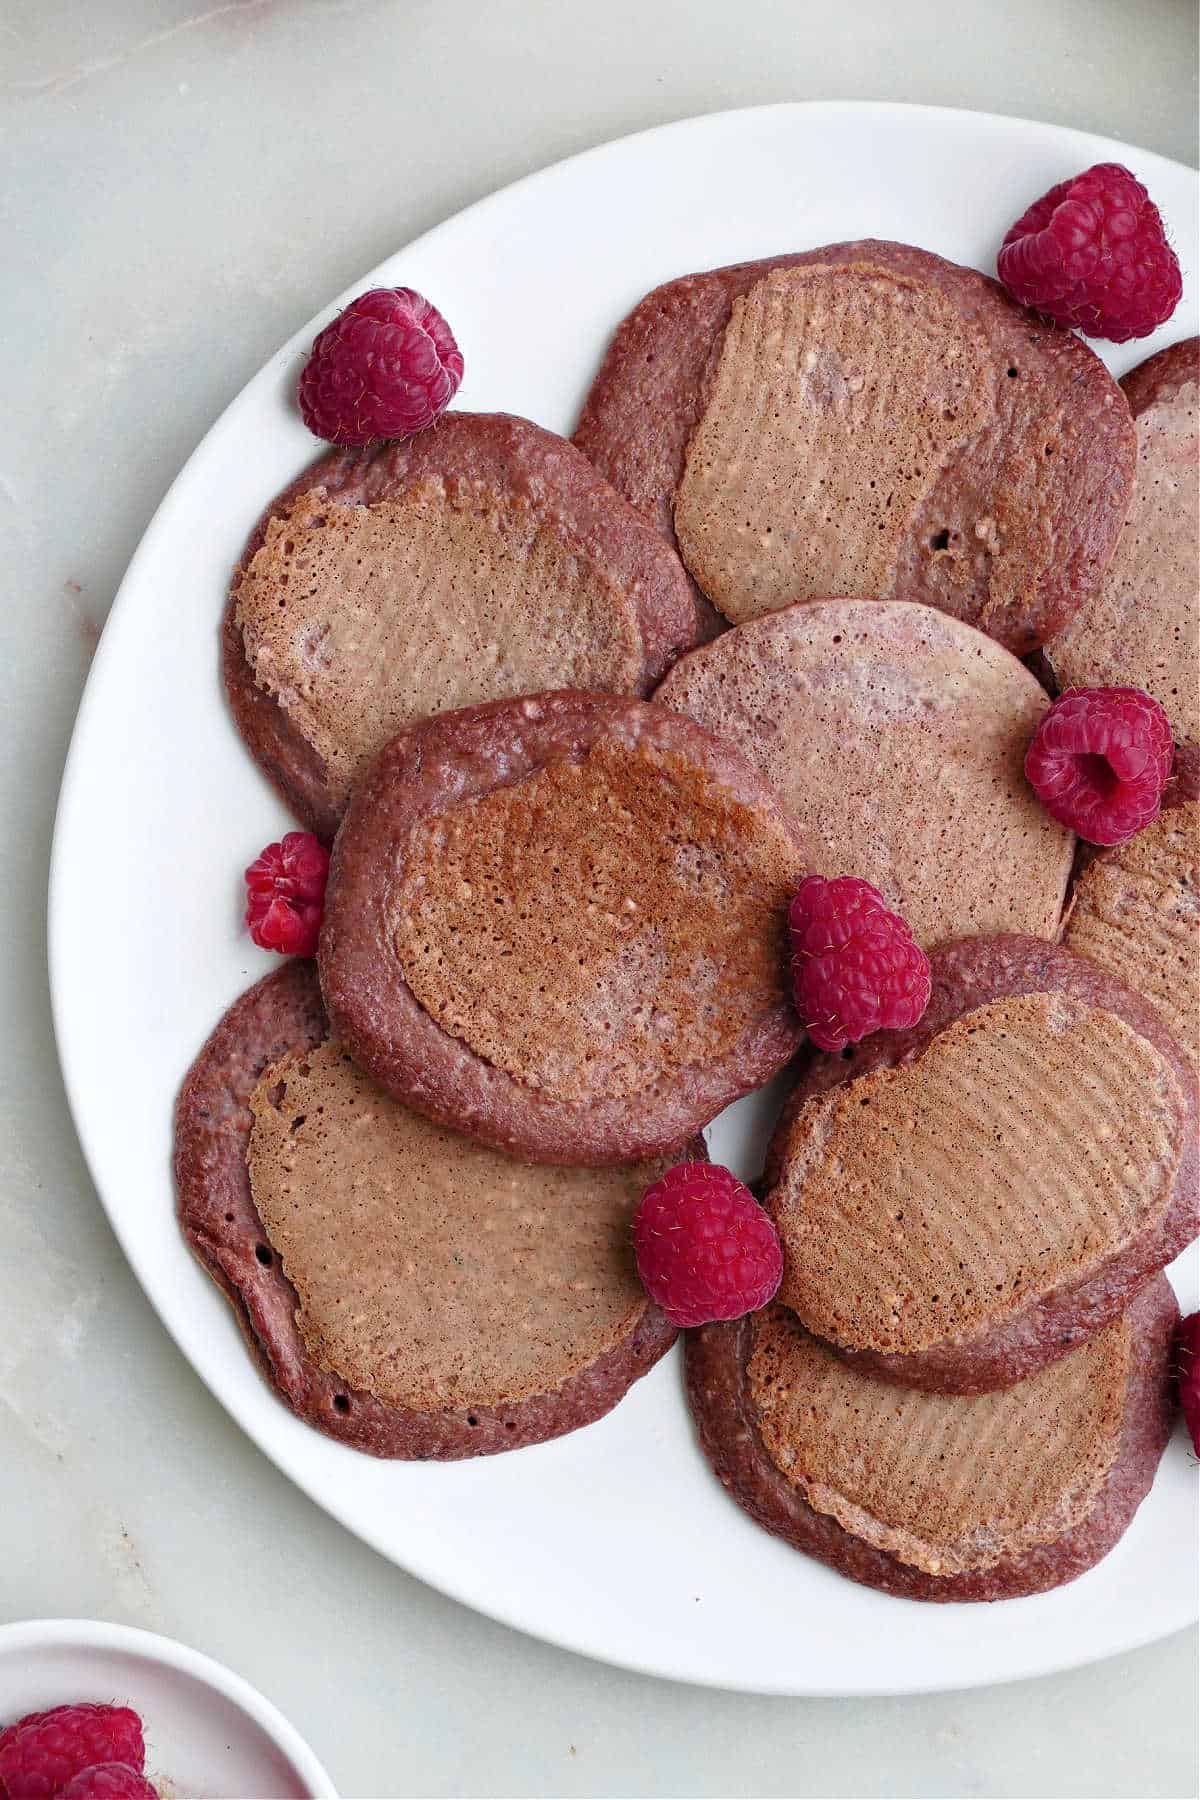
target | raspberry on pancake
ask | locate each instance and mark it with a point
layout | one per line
(1100, 761)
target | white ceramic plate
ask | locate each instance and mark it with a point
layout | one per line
(208, 1732)
(615, 1541)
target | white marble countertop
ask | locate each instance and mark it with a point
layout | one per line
(183, 186)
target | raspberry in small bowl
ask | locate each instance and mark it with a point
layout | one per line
(186, 1724)
(86, 1750)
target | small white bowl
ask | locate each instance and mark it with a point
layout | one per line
(209, 1734)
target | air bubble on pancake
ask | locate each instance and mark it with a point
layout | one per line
(838, 395)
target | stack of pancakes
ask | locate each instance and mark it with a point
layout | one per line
(577, 719)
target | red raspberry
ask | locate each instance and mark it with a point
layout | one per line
(42, 1751)
(384, 368)
(705, 1248)
(108, 1781)
(285, 894)
(1187, 1350)
(1099, 761)
(1092, 253)
(855, 967)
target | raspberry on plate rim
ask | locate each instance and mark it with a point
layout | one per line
(1187, 1354)
(386, 367)
(285, 894)
(1092, 254)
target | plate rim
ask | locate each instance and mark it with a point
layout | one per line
(442, 1581)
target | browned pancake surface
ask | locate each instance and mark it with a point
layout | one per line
(1142, 627)
(1011, 505)
(484, 557)
(405, 1291)
(557, 924)
(358, 619)
(896, 737)
(938, 1497)
(600, 924)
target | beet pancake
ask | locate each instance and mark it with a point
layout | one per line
(1135, 909)
(896, 737)
(484, 557)
(966, 1201)
(558, 924)
(404, 1289)
(867, 420)
(1184, 784)
(1142, 627)
(937, 1496)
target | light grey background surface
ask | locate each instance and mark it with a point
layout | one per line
(181, 187)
